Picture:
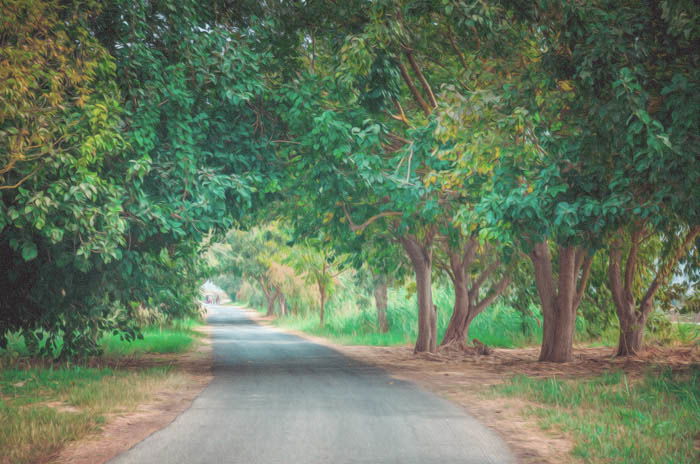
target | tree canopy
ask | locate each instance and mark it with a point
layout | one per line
(547, 145)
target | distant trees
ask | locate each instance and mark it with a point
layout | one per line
(318, 266)
(252, 255)
(264, 255)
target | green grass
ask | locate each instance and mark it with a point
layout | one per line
(41, 408)
(176, 337)
(353, 321)
(44, 406)
(654, 420)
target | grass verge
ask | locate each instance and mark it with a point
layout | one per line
(176, 337)
(43, 406)
(41, 409)
(613, 418)
(501, 326)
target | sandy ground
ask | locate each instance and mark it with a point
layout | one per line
(123, 431)
(463, 377)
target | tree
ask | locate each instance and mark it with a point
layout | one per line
(635, 78)
(384, 260)
(369, 137)
(317, 264)
(468, 275)
(133, 138)
(252, 255)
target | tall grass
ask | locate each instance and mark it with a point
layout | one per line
(351, 318)
(612, 418)
(174, 337)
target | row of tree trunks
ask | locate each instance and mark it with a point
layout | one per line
(272, 295)
(421, 256)
(560, 298)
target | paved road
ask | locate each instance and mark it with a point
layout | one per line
(277, 398)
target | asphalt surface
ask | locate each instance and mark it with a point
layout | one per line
(277, 398)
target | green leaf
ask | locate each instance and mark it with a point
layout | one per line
(29, 251)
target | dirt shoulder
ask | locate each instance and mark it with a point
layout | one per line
(124, 430)
(464, 378)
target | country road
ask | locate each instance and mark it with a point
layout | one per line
(277, 398)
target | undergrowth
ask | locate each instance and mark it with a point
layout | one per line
(174, 337)
(352, 319)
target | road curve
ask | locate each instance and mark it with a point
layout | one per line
(277, 398)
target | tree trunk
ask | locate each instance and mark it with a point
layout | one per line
(631, 321)
(270, 304)
(283, 305)
(467, 303)
(631, 314)
(559, 301)
(322, 293)
(270, 297)
(380, 298)
(421, 259)
(457, 328)
(558, 335)
(631, 333)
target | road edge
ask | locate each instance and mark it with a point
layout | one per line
(123, 431)
(483, 413)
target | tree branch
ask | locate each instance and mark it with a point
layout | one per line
(587, 262)
(631, 264)
(414, 90)
(469, 252)
(401, 116)
(486, 273)
(495, 292)
(20, 182)
(456, 49)
(614, 273)
(421, 77)
(665, 270)
(354, 227)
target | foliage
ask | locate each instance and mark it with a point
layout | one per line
(173, 337)
(136, 136)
